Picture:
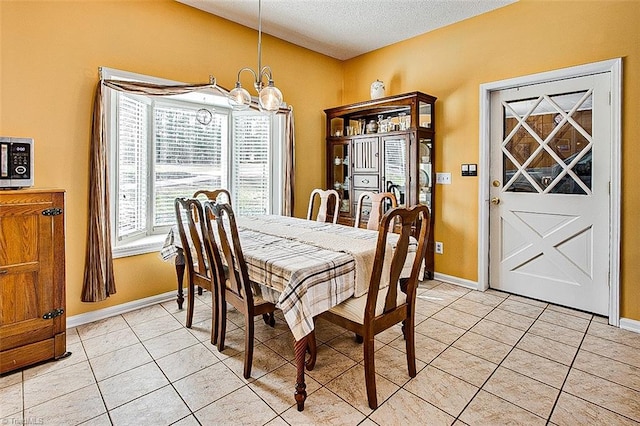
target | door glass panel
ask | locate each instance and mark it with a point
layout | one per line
(341, 174)
(424, 178)
(562, 126)
(395, 166)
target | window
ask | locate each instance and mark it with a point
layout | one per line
(165, 147)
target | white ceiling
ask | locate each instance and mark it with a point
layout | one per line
(344, 29)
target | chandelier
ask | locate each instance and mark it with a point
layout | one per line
(269, 96)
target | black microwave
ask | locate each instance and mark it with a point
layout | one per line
(16, 162)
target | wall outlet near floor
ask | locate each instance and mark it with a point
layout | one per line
(443, 178)
(439, 247)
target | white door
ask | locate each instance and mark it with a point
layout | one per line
(550, 181)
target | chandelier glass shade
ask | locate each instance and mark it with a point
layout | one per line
(269, 96)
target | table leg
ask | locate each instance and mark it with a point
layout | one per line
(300, 351)
(180, 275)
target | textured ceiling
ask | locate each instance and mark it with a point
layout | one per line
(344, 29)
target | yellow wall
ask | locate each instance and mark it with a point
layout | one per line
(50, 54)
(523, 38)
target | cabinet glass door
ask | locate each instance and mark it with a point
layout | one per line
(424, 172)
(341, 174)
(395, 167)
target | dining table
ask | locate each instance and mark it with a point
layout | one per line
(303, 266)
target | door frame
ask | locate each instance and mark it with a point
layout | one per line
(612, 66)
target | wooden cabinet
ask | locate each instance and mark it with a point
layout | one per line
(32, 277)
(383, 145)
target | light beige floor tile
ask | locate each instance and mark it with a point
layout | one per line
(483, 347)
(604, 393)
(39, 389)
(101, 327)
(346, 344)
(565, 320)
(157, 327)
(187, 421)
(609, 369)
(283, 345)
(153, 312)
(465, 366)
(127, 386)
(390, 334)
(609, 332)
(264, 361)
(279, 422)
(442, 298)
(326, 331)
(11, 378)
(404, 408)
(456, 318)
(569, 311)
(498, 293)
(323, 407)
(556, 332)
(521, 322)
(207, 385)
(484, 297)
(186, 361)
(611, 349)
(119, 361)
(442, 390)
(528, 301)
(72, 335)
(69, 409)
(548, 348)
(169, 343)
(571, 411)
(496, 331)
(241, 404)
(101, 420)
(11, 401)
(522, 391)
(263, 332)
(488, 409)
(351, 387)
(329, 364)
(440, 331)
(426, 307)
(600, 319)
(452, 289)
(517, 306)
(163, 406)
(277, 387)
(392, 364)
(109, 342)
(233, 343)
(471, 307)
(426, 347)
(77, 355)
(542, 369)
(201, 330)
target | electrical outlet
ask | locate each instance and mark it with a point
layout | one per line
(439, 247)
(443, 178)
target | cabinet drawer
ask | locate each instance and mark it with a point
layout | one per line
(365, 181)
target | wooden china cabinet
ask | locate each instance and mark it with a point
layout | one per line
(383, 145)
(32, 277)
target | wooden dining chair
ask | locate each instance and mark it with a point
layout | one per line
(232, 277)
(325, 200)
(188, 214)
(377, 207)
(384, 307)
(214, 194)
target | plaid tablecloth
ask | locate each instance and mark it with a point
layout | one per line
(304, 267)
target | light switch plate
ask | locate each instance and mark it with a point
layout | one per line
(443, 178)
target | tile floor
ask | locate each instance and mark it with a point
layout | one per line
(483, 359)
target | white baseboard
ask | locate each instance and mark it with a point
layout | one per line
(111, 311)
(630, 324)
(473, 285)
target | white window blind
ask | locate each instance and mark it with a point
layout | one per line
(132, 167)
(250, 165)
(188, 156)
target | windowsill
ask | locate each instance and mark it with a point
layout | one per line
(145, 245)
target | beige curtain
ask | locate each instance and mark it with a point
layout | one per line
(99, 280)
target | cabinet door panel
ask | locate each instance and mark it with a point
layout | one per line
(365, 155)
(396, 167)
